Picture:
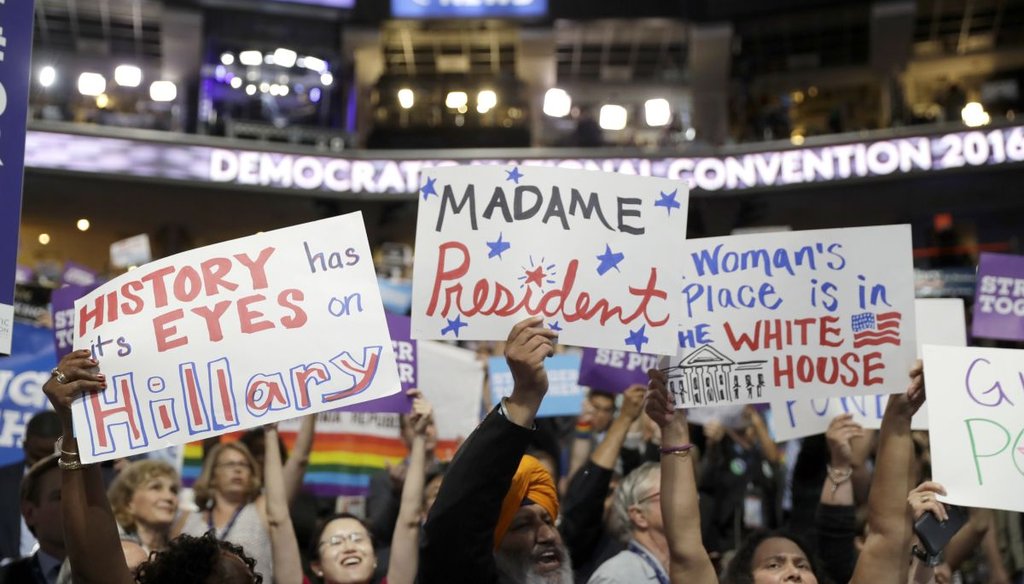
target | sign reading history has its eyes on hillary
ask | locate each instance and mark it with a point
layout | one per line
(469, 8)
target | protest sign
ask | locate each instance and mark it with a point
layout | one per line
(977, 412)
(15, 75)
(614, 371)
(62, 310)
(133, 251)
(588, 251)
(22, 376)
(939, 321)
(452, 379)
(405, 356)
(999, 302)
(78, 275)
(234, 335)
(565, 395)
(794, 315)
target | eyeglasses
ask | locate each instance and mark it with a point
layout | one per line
(354, 538)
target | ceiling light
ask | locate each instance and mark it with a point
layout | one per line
(163, 91)
(264, 87)
(406, 98)
(285, 57)
(974, 115)
(91, 84)
(44, 238)
(314, 64)
(227, 59)
(250, 58)
(250, 89)
(102, 101)
(485, 100)
(657, 112)
(236, 82)
(47, 76)
(326, 79)
(128, 75)
(557, 103)
(456, 99)
(613, 117)
(83, 225)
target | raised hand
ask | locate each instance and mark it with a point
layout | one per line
(923, 499)
(659, 406)
(840, 434)
(529, 343)
(633, 402)
(77, 373)
(422, 413)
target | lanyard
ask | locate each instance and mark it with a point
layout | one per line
(658, 570)
(227, 528)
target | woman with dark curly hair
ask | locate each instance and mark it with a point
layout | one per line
(762, 552)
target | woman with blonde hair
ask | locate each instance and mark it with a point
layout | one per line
(144, 498)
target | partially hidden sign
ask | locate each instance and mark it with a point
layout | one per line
(614, 371)
(588, 251)
(999, 298)
(826, 313)
(234, 335)
(565, 395)
(940, 321)
(977, 411)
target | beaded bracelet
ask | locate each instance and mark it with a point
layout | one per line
(683, 450)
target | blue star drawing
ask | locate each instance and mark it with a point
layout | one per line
(609, 260)
(668, 200)
(514, 175)
(637, 338)
(428, 189)
(454, 325)
(497, 247)
(555, 326)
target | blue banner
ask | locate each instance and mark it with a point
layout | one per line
(564, 397)
(469, 8)
(22, 376)
(15, 57)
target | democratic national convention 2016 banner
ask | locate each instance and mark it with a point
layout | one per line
(614, 371)
(940, 321)
(15, 59)
(234, 335)
(977, 412)
(565, 395)
(587, 251)
(22, 376)
(793, 315)
(999, 301)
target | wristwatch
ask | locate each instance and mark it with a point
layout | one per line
(928, 559)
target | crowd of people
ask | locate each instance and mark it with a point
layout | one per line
(646, 495)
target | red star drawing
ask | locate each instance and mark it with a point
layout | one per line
(535, 276)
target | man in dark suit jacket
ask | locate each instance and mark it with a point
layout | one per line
(40, 506)
(40, 434)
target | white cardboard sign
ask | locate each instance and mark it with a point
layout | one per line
(234, 335)
(588, 251)
(940, 321)
(977, 424)
(805, 314)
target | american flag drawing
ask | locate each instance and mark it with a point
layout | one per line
(876, 329)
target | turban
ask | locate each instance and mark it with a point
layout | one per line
(532, 483)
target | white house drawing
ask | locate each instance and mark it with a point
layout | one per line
(707, 377)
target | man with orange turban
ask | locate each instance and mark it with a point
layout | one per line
(494, 517)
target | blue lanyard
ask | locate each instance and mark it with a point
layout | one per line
(227, 528)
(658, 570)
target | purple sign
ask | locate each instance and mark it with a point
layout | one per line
(62, 308)
(15, 57)
(999, 301)
(614, 371)
(405, 355)
(76, 274)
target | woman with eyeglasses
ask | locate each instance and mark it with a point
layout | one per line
(343, 548)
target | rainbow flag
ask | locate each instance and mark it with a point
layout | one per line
(347, 450)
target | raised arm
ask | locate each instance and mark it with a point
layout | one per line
(405, 542)
(836, 517)
(298, 458)
(90, 531)
(887, 548)
(284, 545)
(459, 533)
(689, 561)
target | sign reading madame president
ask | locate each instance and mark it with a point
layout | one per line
(591, 252)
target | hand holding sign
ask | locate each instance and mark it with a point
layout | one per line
(529, 343)
(76, 374)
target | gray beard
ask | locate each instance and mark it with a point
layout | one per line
(516, 569)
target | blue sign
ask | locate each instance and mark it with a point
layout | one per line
(564, 397)
(22, 376)
(469, 8)
(15, 57)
